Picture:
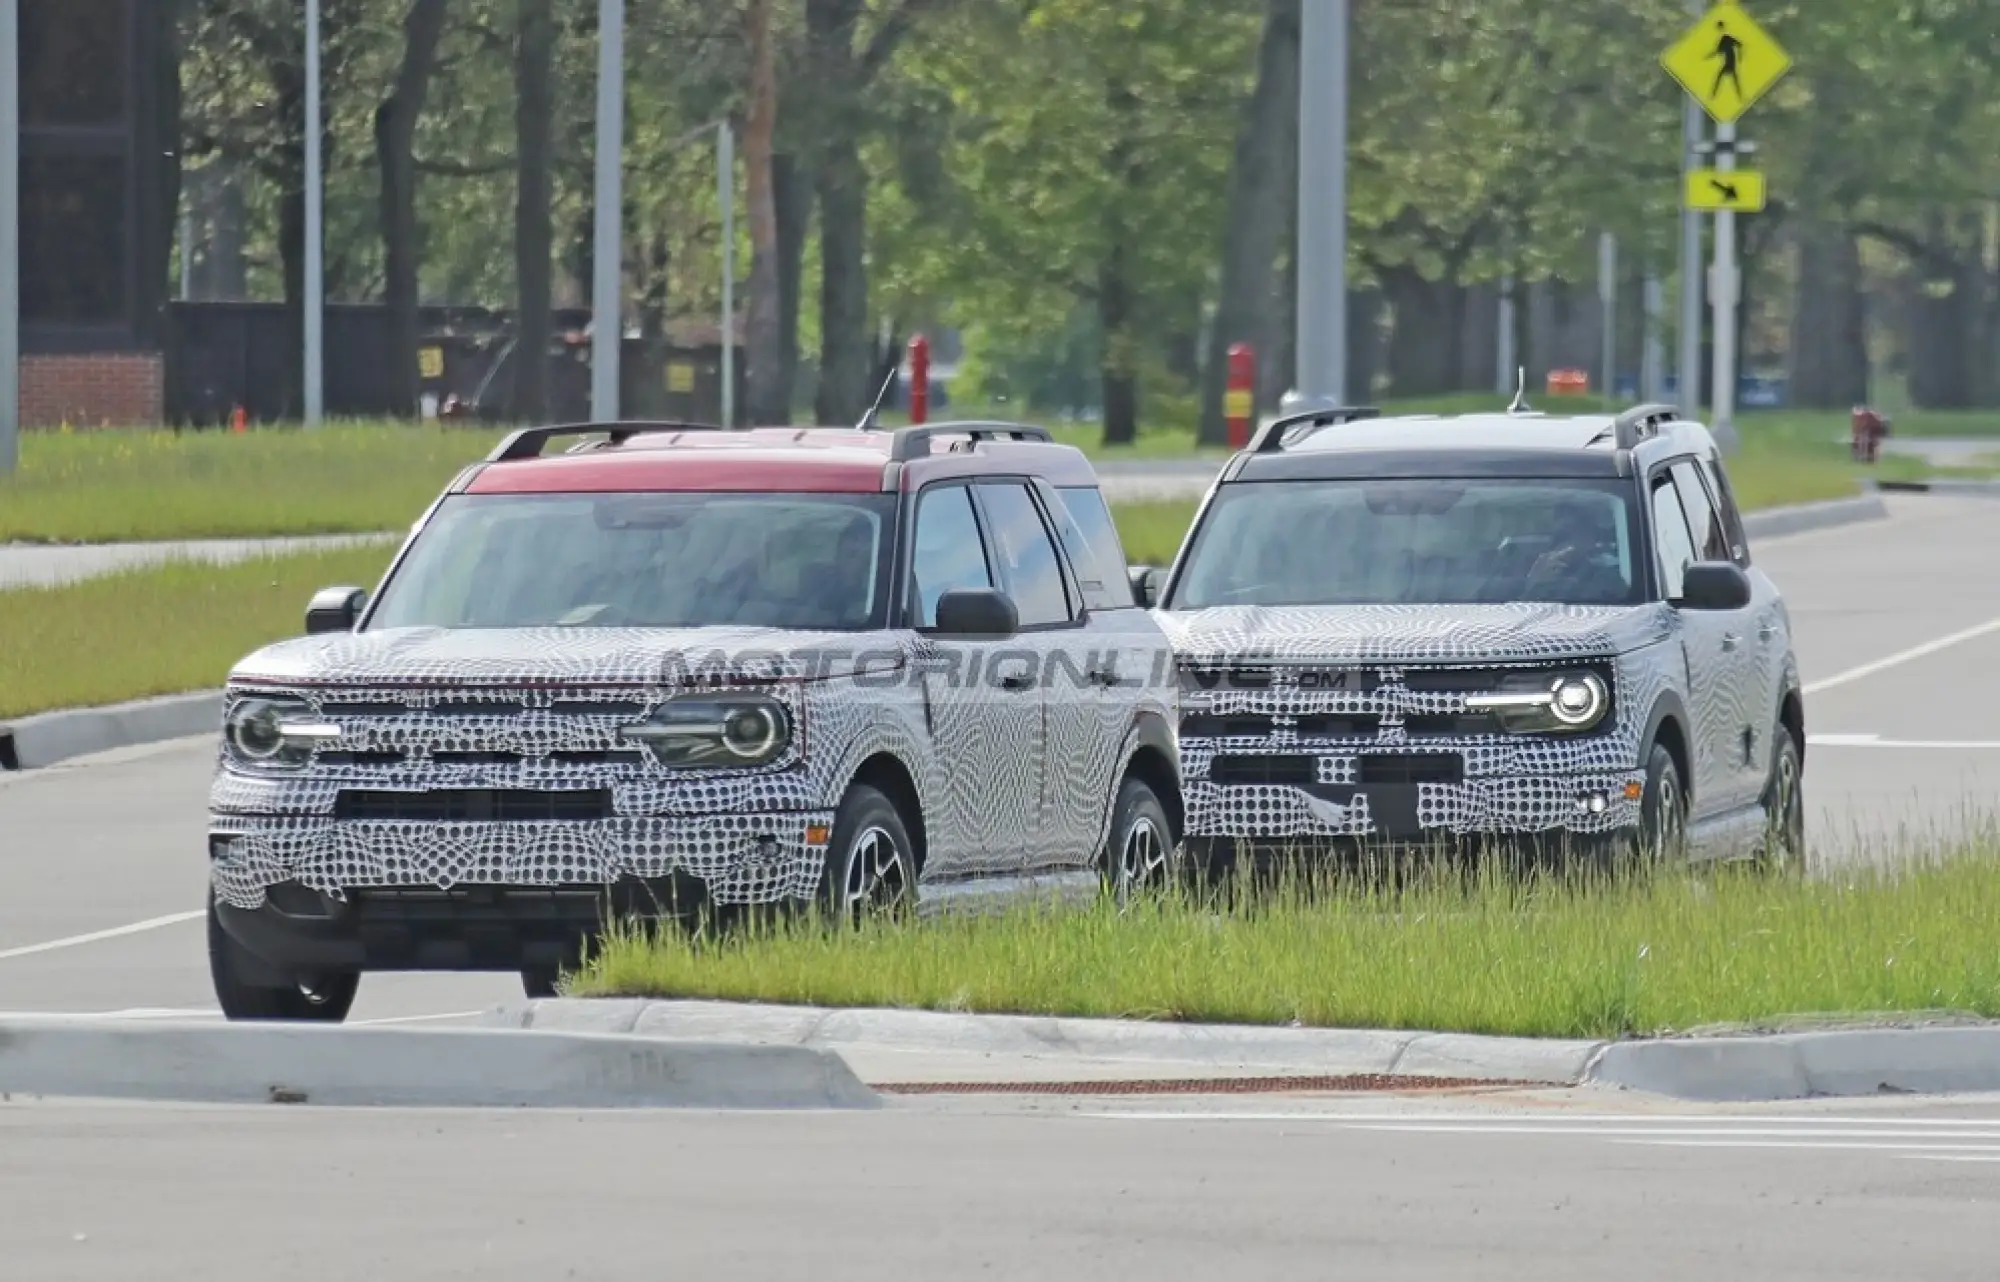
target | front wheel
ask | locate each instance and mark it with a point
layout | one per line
(1138, 855)
(1663, 812)
(323, 999)
(871, 865)
(1784, 848)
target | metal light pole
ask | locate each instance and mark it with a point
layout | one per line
(1321, 260)
(1689, 366)
(315, 301)
(608, 256)
(10, 236)
(1722, 299)
(1607, 295)
(725, 190)
(1503, 356)
(1654, 356)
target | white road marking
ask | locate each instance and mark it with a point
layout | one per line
(1902, 656)
(1582, 1123)
(1805, 1143)
(1693, 1134)
(97, 936)
(412, 1019)
(1877, 741)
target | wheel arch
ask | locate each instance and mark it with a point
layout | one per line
(886, 772)
(1667, 726)
(1155, 758)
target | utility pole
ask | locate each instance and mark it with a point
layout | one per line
(1689, 364)
(725, 191)
(1607, 296)
(315, 301)
(1723, 291)
(1321, 260)
(10, 236)
(608, 255)
(1504, 362)
(1653, 361)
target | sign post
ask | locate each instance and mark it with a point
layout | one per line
(1726, 62)
(920, 380)
(1240, 396)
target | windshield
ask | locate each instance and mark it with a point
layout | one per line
(1413, 542)
(804, 561)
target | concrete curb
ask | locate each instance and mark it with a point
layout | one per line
(1806, 517)
(1203, 1047)
(1834, 1063)
(411, 1068)
(1963, 485)
(50, 737)
(1842, 1064)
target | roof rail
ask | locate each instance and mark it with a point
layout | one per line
(1640, 422)
(1274, 436)
(915, 442)
(528, 442)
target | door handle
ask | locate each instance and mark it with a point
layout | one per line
(1730, 640)
(1106, 677)
(1767, 631)
(1020, 681)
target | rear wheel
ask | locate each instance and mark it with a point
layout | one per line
(541, 984)
(871, 865)
(320, 999)
(1784, 848)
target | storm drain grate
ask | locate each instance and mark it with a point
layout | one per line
(1206, 1086)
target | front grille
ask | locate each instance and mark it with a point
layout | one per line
(501, 704)
(1408, 768)
(475, 805)
(1296, 772)
(1247, 726)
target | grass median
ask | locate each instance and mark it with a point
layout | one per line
(180, 626)
(1485, 953)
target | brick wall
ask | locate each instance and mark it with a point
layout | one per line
(118, 389)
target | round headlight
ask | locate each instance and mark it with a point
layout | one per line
(1578, 701)
(751, 732)
(254, 731)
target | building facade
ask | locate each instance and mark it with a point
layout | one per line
(99, 187)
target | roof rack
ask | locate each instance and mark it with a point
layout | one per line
(1641, 422)
(915, 442)
(528, 442)
(1274, 436)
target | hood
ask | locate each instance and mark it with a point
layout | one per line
(552, 656)
(1390, 634)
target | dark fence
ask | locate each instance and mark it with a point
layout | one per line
(224, 355)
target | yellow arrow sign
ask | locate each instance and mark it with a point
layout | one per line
(1740, 191)
(1727, 62)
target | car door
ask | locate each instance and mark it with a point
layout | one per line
(1753, 697)
(1709, 654)
(1767, 606)
(981, 703)
(1031, 572)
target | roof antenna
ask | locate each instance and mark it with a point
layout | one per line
(867, 422)
(1520, 402)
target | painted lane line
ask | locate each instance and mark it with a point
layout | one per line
(1877, 741)
(1860, 1145)
(1580, 1123)
(1902, 657)
(98, 936)
(413, 1019)
(1987, 1132)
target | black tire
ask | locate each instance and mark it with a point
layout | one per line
(1138, 856)
(871, 863)
(1663, 810)
(540, 985)
(1784, 845)
(325, 1000)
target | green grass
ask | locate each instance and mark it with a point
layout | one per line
(158, 629)
(1485, 954)
(182, 625)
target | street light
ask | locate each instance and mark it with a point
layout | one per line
(315, 300)
(608, 256)
(10, 236)
(1321, 260)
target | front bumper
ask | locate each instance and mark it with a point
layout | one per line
(736, 859)
(1537, 805)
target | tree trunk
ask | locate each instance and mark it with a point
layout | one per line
(395, 155)
(844, 373)
(648, 395)
(1426, 342)
(288, 79)
(534, 232)
(1364, 343)
(768, 400)
(1259, 202)
(1827, 358)
(1116, 289)
(792, 194)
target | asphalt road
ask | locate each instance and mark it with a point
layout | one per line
(1516, 1189)
(101, 863)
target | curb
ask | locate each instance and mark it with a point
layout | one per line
(50, 737)
(1786, 1066)
(1328, 1052)
(410, 1068)
(1964, 485)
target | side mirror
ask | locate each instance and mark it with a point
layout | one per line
(1714, 585)
(335, 610)
(977, 614)
(1142, 585)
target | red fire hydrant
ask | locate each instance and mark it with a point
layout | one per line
(1869, 428)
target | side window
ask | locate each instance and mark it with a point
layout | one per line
(1710, 543)
(948, 553)
(1091, 538)
(1732, 517)
(1027, 557)
(1671, 542)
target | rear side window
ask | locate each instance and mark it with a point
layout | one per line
(1671, 543)
(1090, 537)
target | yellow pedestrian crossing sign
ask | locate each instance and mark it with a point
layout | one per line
(1727, 62)
(1740, 191)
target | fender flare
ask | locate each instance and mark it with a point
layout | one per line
(1669, 704)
